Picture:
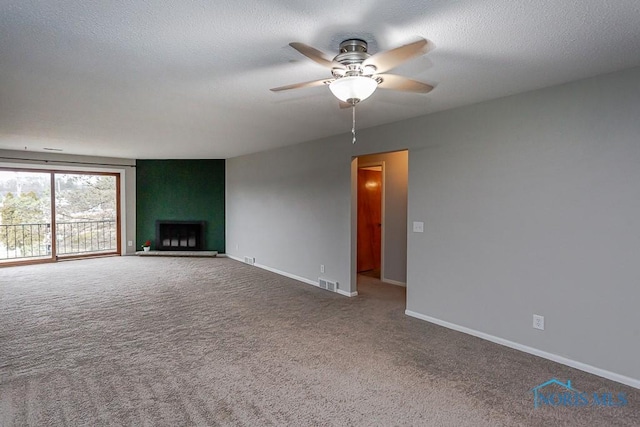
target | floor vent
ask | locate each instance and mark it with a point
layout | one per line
(249, 260)
(328, 285)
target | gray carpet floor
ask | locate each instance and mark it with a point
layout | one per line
(195, 341)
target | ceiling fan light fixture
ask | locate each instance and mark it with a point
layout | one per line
(353, 89)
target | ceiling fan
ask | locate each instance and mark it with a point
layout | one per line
(357, 74)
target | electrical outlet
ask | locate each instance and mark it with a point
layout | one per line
(130, 243)
(538, 322)
(321, 268)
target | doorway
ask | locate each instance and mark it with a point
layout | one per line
(379, 218)
(47, 215)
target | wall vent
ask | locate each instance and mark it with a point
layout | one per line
(328, 285)
(249, 260)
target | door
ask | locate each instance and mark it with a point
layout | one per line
(25, 216)
(87, 219)
(369, 220)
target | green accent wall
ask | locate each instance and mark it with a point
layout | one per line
(181, 190)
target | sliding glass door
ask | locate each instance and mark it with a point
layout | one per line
(86, 209)
(58, 214)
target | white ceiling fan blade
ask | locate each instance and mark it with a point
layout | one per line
(388, 59)
(313, 83)
(394, 82)
(315, 55)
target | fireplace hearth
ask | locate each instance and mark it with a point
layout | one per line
(180, 235)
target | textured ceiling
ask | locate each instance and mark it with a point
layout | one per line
(191, 79)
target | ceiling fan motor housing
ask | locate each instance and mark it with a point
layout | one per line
(352, 53)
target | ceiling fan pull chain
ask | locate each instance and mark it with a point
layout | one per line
(353, 127)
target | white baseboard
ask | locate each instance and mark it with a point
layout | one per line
(536, 352)
(394, 282)
(285, 274)
(347, 294)
(293, 276)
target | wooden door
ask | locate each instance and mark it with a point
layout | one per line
(369, 220)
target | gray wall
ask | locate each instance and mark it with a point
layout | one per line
(10, 158)
(530, 203)
(396, 175)
(290, 209)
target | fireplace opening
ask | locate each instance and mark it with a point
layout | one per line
(180, 235)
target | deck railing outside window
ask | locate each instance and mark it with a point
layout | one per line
(73, 238)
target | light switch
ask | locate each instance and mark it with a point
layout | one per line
(418, 227)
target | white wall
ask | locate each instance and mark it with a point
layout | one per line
(530, 203)
(28, 159)
(396, 176)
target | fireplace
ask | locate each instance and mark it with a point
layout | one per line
(180, 235)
